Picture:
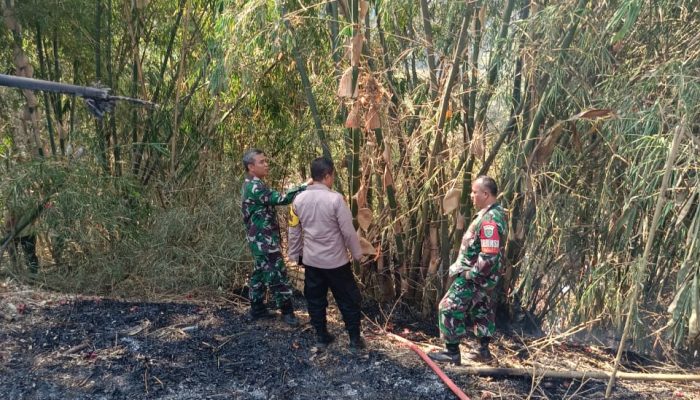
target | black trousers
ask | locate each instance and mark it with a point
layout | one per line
(347, 295)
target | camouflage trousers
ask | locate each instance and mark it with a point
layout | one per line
(466, 305)
(270, 273)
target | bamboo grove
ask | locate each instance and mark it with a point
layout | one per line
(585, 112)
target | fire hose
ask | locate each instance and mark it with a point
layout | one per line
(450, 384)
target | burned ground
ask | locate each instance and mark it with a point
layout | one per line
(55, 346)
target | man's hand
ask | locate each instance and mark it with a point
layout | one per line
(309, 182)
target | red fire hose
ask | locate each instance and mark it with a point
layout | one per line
(457, 391)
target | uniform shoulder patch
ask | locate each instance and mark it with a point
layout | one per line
(293, 217)
(489, 237)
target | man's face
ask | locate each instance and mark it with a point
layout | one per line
(479, 195)
(259, 167)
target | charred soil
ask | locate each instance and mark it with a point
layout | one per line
(56, 346)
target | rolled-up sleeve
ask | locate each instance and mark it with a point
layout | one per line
(352, 242)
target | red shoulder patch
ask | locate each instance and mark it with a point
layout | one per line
(489, 238)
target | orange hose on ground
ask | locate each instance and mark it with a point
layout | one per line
(457, 391)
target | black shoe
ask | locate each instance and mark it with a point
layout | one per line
(323, 339)
(357, 343)
(450, 355)
(260, 311)
(290, 319)
(482, 355)
(288, 316)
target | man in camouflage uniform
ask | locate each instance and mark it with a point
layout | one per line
(262, 232)
(468, 302)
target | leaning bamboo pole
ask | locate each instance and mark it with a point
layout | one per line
(642, 266)
(306, 84)
(546, 373)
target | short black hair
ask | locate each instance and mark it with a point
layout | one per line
(321, 167)
(249, 157)
(489, 184)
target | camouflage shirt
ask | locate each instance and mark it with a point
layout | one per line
(482, 247)
(259, 216)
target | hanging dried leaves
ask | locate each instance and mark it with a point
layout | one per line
(364, 6)
(345, 89)
(356, 49)
(387, 178)
(451, 200)
(478, 145)
(460, 222)
(543, 151)
(353, 119)
(364, 218)
(367, 247)
(593, 114)
(372, 121)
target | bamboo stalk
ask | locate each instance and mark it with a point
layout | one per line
(44, 75)
(306, 84)
(642, 267)
(429, 50)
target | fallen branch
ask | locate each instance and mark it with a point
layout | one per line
(76, 349)
(539, 372)
(457, 391)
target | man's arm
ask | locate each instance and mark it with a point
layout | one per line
(487, 251)
(344, 217)
(295, 237)
(260, 194)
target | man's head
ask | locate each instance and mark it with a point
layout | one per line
(323, 171)
(255, 163)
(484, 192)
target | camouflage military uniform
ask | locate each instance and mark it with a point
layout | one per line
(478, 266)
(263, 234)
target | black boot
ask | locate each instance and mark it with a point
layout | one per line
(450, 355)
(323, 337)
(482, 354)
(258, 310)
(288, 316)
(356, 341)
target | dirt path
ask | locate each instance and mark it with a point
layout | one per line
(55, 346)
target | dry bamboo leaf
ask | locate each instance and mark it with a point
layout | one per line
(353, 119)
(364, 218)
(366, 246)
(477, 147)
(543, 151)
(460, 221)
(593, 114)
(364, 6)
(372, 121)
(361, 196)
(388, 178)
(451, 200)
(398, 228)
(345, 86)
(356, 49)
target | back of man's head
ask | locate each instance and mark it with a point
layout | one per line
(249, 157)
(320, 168)
(489, 184)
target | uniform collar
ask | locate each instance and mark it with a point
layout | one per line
(317, 186)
